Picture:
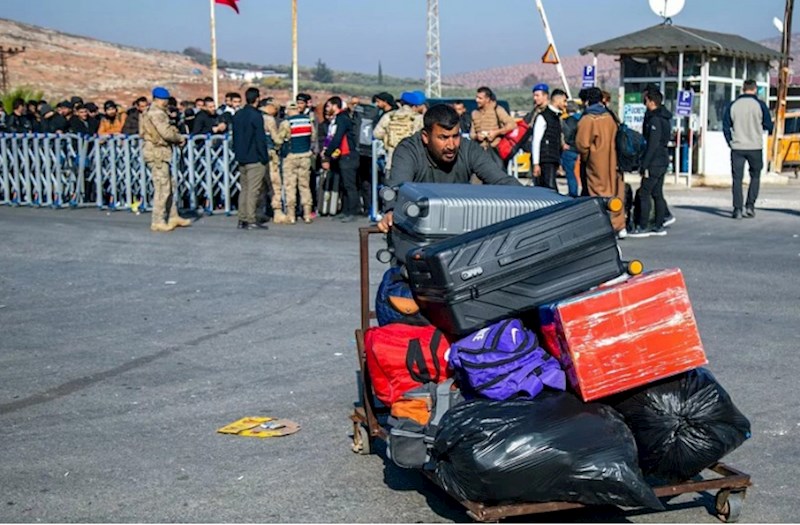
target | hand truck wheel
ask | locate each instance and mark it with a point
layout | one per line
(362, 441)
(729, 505)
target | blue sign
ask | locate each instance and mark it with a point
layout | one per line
(684, 107)
(588, 76)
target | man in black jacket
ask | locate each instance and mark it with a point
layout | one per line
(341, 155)
(206, 121)
(17, 121)
(437, 154)
(250, 150)
(547, 141)
(654, 166)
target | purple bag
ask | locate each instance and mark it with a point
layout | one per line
(503, 361)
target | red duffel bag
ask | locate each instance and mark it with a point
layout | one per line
(507, 145)
(402, 356)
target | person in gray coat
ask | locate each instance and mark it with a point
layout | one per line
(743, 124)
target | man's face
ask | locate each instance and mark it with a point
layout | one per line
(481, 99)
(210, 107)
(141, 106)
(111, 111)
(560, 103)
(354, 101)
(540, 98)
(236, 102)
(301, 105)
(442, 144)
(460, 109)
(83, 113)
(199, 104)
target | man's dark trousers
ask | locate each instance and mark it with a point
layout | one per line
(652, 189)
(754, 158)
(547, 177)
(348, 168)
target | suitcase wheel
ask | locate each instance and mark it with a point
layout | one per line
(635, 267)
(615, 205)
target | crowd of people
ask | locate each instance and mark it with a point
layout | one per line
(423, 142)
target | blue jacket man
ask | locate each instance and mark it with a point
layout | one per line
(744, 123)
(250, 150)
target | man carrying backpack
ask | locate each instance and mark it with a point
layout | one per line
(654, 167)
(396, 125)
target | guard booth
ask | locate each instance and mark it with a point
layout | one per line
(711, 65)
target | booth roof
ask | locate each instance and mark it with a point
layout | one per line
(668, 38)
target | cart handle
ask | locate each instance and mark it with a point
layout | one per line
(363, 240)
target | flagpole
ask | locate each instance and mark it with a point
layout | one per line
(215, 80)
(552, 42)
(294, 49)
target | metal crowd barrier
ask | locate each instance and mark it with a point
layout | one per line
(50, 170)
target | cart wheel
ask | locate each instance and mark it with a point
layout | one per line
(729, 505)
(362, 442)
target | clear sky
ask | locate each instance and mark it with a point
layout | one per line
(355, 34)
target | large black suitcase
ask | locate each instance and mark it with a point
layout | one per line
(472, 280)
(425, 212)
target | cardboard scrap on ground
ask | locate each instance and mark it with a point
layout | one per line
(260, 427)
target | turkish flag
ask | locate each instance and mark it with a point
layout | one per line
(229, 3)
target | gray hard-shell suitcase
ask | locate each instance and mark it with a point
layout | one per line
(425, 212)
(507, 269)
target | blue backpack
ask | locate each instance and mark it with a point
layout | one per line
(631, 146)
(394, 285)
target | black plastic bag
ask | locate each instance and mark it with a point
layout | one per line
(682, 424)
(550, 448)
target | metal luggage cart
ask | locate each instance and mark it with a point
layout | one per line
(369, 417)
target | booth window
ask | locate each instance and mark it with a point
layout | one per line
(721, 67)
(719, 96)
(641, 67)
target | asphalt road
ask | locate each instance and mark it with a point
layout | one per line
(123, 351)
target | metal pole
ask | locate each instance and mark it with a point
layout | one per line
(680, 123)
(552, 42)
(294, 50)
(783, 88)
(215, 80)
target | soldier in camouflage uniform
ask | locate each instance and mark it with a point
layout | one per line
(394, 126)
(158, 137)
(274, 143)
(299, 131)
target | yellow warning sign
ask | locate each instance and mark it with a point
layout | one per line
(550, 56)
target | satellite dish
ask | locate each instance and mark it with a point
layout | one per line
(666, 9)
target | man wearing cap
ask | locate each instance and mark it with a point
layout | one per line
(112, 121)
(250, 150)
(385, 103)
(397, 125)
(490, 122)
(300, 134)
(437, 154)
(269, 109)
(158, 137)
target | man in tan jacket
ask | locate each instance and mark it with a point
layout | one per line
(596, 143)
(158, 137)
(490, 122)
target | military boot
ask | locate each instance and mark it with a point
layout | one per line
(279, 217)
(290, 219)
(307, 215)
(178, 221)
(161, 227)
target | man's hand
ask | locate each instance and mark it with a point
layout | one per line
(566, 147)
(385, 223)
(537, 170)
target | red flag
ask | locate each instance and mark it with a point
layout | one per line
(229, 3)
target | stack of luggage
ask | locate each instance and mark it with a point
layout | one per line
(524, 361)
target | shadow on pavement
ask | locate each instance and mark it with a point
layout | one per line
(707, 209)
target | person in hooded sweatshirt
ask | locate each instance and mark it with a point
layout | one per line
(654, 166)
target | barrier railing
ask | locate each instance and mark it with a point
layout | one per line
(109, 172)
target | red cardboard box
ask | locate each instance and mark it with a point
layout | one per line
(629, 334)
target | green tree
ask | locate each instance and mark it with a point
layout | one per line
(24, 92)
(322, 73)
(380, 74)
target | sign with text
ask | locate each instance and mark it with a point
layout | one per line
(633, 116)
(684, 107)
(589, 75)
